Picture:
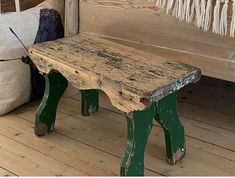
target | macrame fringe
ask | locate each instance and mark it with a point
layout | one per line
(201, 12)
(176, 8)
(223, 21)
(216, 21)
(198, 13)
(232, 28)
(208, 15)
(187, 9)
(183, 13)
(169, 6)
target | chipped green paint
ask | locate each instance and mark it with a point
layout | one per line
(139, 123)
(90, 102)
(139, 127)
(46, 113)
(167, 117)
(140, 75)
(108, 62)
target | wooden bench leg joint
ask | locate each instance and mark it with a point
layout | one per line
(139, 125)
(90, 102)
(167, 117)
(56, 84)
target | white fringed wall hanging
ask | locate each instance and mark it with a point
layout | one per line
(217, 15)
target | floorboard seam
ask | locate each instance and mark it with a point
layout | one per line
(42, 152)
(89, 145)
(9, 171)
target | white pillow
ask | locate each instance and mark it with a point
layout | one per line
(25, 24)
(15, 84)
(15, 80)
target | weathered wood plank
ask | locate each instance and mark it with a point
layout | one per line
(132, 79)
(31, 162)
(202, 158)
(211, 66)
(6, 173)
(140, 22)
(192, 110)
(26, 4)
(73, 153)
(9, 5)
(71, 28)
(71, 17)
(206, 116)
(214, 98)
(212, 129)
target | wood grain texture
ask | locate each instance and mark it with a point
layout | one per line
(71, 17)
(71, 28)
(6, 173)
(141, 25)
(132, 79)
(106, 132)
(95, 146)
(31, 161)
(26, 4)
(206, 109)
(74, 154)
(208, 125)
(9, 5)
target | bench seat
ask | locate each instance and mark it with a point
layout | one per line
(142, 85)
(132, 79)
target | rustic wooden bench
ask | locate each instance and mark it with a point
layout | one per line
(140, 84)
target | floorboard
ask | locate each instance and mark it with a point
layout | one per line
(22, 160)
(218, 129)
(5, 173)
(94, 145)
(209, 97)
(93, 132)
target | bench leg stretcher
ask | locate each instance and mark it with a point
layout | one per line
(56, 85)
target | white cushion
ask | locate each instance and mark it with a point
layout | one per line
(15, 81)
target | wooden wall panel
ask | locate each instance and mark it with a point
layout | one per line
(26, 4)
(140, 24)
(9, 5)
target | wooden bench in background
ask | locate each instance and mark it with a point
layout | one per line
(141, 25)
(142, 85)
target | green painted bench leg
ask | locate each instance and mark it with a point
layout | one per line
(139, 126)
(90, 102)
(56, 84)
(167, 117)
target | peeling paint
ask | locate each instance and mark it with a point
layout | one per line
(100, 62)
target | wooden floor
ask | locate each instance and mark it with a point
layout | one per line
(94, 145)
